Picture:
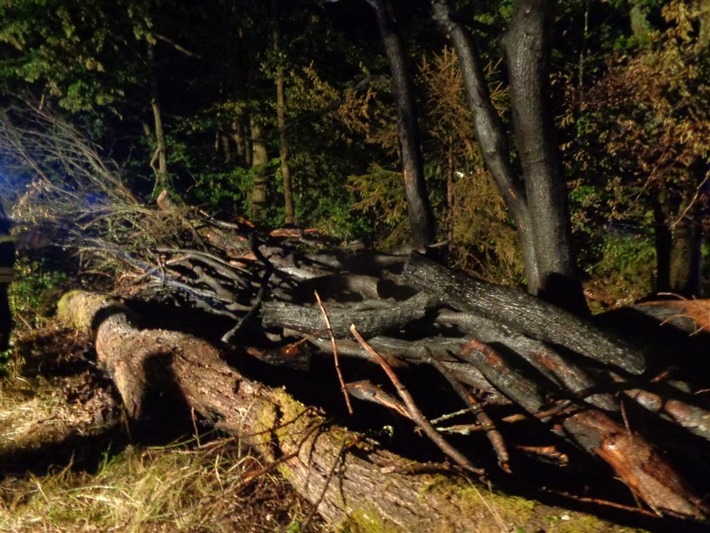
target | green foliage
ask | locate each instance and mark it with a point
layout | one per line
(639, 152)
(635, 123)
(75, 51)
(483, 237)
(180, 487)
(626, 270)
(31, 293)
(380, 193)
(480, 234)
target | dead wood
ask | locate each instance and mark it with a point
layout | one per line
(636, 462)
(523, 313)
(347, 475)
(567, 375)
(372, 322)
(400, 353)
(563, 371)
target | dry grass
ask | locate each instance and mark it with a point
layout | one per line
(698, 311)
(185, 487)
(198, 485)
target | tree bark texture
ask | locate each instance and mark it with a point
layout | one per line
(490, 131)
(537, 201)
(527, 48)
(347, 475)
(259, 159)
(421, 217)
(523, 313)
(289, 213)
(159, 161)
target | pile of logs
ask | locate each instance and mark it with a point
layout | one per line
(508, 359)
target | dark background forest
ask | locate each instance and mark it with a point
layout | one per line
(283, 112)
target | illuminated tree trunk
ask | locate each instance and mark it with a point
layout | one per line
(527, 48)
(678, 242)
(537, 199)
(421, 217)
(159, 162)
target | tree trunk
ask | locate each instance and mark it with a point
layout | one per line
(289, 216)
(679, 233)
(549, 260)
(662, 239)
(259, 160)
(490, 131)
(421, 217)
(159, 162)
(527, 47)
(686, 257)
(523, 313)
(346, 475)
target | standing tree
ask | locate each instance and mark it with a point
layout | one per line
(536, 196)
(289, 211)
(421, 217)
(659, 150)
(159, 161)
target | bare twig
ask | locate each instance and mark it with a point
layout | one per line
(494, 436)
(416, 413)
(336, 361)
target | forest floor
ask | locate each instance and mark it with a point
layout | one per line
(92, 473)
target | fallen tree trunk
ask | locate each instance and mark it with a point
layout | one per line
(529, 330)
(372, 322)
(642, 468)
(345, 474)
(523, 313)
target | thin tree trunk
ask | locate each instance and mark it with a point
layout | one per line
(490, 134)
(158, 162)
(421, 217)
(524, 313)
(536, 202)
(289, 216)
(259, 160)
(679, 236)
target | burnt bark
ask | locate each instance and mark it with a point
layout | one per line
(558, 369)
(523, 313)
(370, 322)
(638, 464)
